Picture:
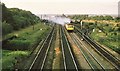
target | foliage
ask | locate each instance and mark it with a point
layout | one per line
(18, 45)
(6, 14)
(8, 58)
(6, 28)
(107, 17)
(117, 19)
(94, 17)
(110, 36)
(17, 18)
(97, 17)
(80, 17)
(27, 38)
(105, 33)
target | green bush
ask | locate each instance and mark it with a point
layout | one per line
(26, 39)
(8, 58)
(19, 44)
(16, 19)
(6, 28)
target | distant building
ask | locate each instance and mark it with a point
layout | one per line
(119, 9)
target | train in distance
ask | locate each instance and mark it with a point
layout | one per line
(69, 26)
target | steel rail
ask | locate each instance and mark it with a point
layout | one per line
(71, 52)
(68, 55)
(31, 66)
(102, 52)
(63, 53)
(82, 52)
(93, 56)
(47, 52)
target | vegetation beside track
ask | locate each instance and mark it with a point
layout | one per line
(26, 41)
(110, 40)
(15, 19)
(103, 29)
(10, 59)
(21, 32)
(26, 38)
(106, 34)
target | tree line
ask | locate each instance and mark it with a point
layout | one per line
(15, 19)
(96, 17)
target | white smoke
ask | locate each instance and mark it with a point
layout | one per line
(60, 20)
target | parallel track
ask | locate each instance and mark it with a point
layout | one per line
(101, 51)
(39, 61)
(68, 56)
(69, 60)
(92, 61)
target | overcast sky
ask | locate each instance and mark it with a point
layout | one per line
(65, 6)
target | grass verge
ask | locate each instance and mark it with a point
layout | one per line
(9, 58)
(26, 38)
(19, 48)
(108, 40)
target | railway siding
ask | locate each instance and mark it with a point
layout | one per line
(105, 54)
(115, 54)
(102, 52)
(92, 61)
(104, 64)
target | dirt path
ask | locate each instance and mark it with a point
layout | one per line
(57, 54)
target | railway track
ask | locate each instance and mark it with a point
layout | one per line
(114, 61)
(69, 60)
(40, 59)
(91, 60)
(68, 56)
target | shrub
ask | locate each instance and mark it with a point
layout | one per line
(6, 28)
(18, 44)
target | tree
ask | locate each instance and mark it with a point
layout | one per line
(6, 28)
(15, 19)
(108, 17)
(6, 14)
(117, 19)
